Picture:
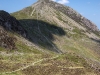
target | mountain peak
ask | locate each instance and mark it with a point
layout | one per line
(49, 5)
(45, 0)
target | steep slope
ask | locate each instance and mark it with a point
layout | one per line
(59, 41)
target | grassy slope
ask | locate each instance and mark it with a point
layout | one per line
(70, 63)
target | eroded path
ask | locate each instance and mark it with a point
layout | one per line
(44, 59)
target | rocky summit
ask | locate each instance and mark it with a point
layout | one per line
(48, 38)
(70, 13)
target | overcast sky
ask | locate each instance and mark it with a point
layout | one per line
(88, 8)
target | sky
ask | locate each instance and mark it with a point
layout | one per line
(88, 8)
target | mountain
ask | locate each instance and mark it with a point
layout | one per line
(48, 38)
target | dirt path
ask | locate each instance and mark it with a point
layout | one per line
(25, 67)
(75, 67)
(30, 65)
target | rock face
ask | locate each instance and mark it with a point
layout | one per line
(10, 23)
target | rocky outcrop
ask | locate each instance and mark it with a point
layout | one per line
(10, 23)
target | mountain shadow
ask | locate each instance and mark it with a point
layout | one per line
(41, 33)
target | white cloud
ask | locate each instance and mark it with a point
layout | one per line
(54, 0)
(62, 1)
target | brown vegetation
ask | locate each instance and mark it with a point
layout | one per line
(6, 41)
